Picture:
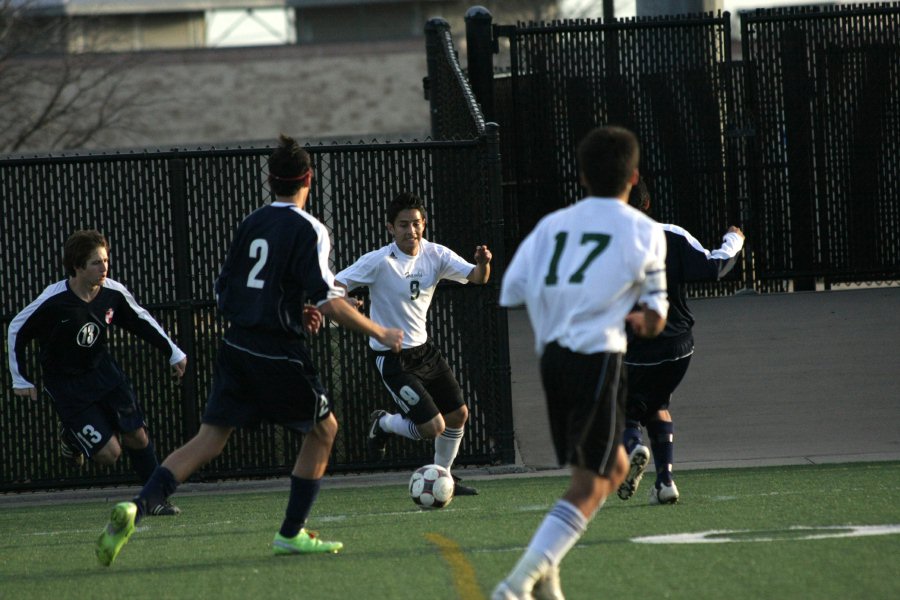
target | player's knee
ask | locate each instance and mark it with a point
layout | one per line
(432, 428)
(458, 417)
(327, 429)
(136, 439)
(108, 455)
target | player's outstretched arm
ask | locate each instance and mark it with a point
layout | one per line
(346, 316)
(482, 271)
(351, 300)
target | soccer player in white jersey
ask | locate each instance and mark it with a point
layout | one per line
(277, 263)
(656, 367)
(580, 273)
(402, 278)
(95, 401)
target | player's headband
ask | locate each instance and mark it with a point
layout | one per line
(307, 173)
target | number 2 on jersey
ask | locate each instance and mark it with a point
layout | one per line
(600, 241)
(259, 249)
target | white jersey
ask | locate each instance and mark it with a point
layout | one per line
(401, 286)
(581, 271)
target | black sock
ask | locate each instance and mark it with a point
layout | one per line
(632, 435)
(303, 495)
(161, 485)
(143, 460)
(662, 442)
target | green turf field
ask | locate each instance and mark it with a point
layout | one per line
(817, 532)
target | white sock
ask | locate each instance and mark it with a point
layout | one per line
(400, 425)
(446, 446)
(555, 536)
(560, 530)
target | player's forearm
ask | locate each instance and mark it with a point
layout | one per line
(340, 311)
(480, 274)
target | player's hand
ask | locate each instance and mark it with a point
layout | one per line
(482, 255)
(312, 319)
(736, 230)
(392, 338)
(637, 320)
(645, 322)
(30, 392)
(178, 368)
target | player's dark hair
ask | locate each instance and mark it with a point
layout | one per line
(290, 167)
(607, 158)
(79, 247)
(404, 201)
(639, 196)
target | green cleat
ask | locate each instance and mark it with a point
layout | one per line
(116, 532)
(306, 542)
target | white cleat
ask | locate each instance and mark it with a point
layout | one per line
(637, 462)
(548, 587)
(664, 494)
(504, 592)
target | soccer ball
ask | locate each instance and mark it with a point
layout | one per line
(431, 486)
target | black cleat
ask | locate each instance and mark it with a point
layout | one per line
(462, 490)
(68, 450)
(378, 437)
(166, 509)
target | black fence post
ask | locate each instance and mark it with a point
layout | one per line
(480, 55)
(433, 29)
(505, 437)
(798, 138)
(183, 294)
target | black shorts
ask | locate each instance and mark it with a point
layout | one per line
(586, 403)
(96, 405)
(251, 387)
(650, 387)
(420, 381)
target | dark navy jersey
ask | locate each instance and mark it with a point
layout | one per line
(686, 261)
(277, 262)
(71, 333)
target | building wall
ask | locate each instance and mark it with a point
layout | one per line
(242, 95)
(122, 33)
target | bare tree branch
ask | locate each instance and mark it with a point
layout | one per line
(50, 97)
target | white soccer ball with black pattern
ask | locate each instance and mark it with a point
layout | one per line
(431, 486)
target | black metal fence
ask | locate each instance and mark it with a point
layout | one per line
(824, 87)
(797, 143)
(169, 218)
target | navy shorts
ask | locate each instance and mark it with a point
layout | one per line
(586, 405)
(650, 387)
(420, 381)
(96, 405)
(251, 387)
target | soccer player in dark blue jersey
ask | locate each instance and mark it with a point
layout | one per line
(656, 366)
(275, 266)
(95, 401)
